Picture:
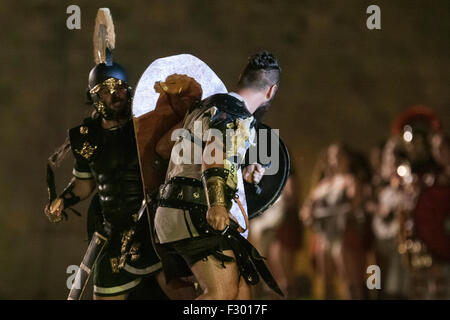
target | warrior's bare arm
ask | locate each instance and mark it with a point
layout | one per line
(76, 191)
(217, 215)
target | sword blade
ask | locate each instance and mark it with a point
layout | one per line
(142, 209)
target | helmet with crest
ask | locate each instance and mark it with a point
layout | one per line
(106, 74)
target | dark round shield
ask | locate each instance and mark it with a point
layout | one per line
(274, 156)
(432, 220)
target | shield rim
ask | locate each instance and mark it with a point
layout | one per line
(287, 171)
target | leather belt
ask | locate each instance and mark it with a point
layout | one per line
(183, 193)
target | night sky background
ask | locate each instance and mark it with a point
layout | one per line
(340, 82)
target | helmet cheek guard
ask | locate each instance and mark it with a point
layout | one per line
(88, 97)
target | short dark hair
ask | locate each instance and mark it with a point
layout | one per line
(261, 71)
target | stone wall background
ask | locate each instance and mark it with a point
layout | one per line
(340, 82)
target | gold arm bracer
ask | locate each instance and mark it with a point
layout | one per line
(215, 190)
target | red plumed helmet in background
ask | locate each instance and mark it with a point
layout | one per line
(418, 117)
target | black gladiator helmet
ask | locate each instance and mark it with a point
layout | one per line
(109, 75)
(106, 73)
(102, 72)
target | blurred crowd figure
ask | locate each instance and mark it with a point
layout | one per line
(334, 209)
(390, 208)
(412, 208)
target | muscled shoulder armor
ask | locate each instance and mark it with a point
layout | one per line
(85, 139)
(227, 104)
(225, 110)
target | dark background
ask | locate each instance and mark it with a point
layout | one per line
(340, 82)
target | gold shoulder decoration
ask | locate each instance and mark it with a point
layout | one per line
(86, 151)
(84, 130)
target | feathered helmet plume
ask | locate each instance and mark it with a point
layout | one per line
(104, 37)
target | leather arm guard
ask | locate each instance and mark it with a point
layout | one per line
(69, 199)
(68, 196)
